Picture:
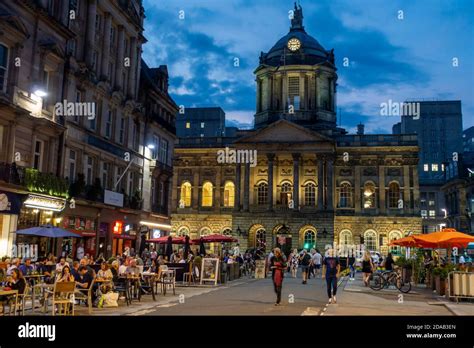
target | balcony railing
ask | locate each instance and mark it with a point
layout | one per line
(34, 180)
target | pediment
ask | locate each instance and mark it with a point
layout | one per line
(283, 131)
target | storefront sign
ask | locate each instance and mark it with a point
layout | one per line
(10, 203)
(45, 203)
(156, 233)
(113, 198)
(83, 225)
(118, 227)
(210, 270)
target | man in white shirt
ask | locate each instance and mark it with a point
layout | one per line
(80, 252)
(15, 264)
(317, 258)
(61, 264)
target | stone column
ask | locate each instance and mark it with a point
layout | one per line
(120, 56)
(357, 190)
(270, 157)
(296, 180)
(132, 76)
(238, 170)
(246, 186)
(320, 183)
(330, 186)
(216, 202)
(90, 36)
(284, 97)
(382, 205)
(195, 191)
(106, 47)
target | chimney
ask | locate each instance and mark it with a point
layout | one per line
(360, 129)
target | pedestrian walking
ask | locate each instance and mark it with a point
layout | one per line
(278, 266)
(367, 267)
(294, 263)
(351, 264)
(305, 259)
(331, 269)
(317, 258)
(311, 264)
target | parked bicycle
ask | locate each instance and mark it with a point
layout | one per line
(383, 280)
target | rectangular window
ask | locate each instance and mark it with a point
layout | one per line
(3, 67)
(431, 203)
(108, 124)
(97, 24)
(164, 151)
(294, 91)
(442, 167)
(426, 167)
(202, 124)
(112, 37)
(434, 167)
(136, 136)
(105, 175)
(121, 132)
(432, 213)
(423, 213)
(188, 125)
(130, 187)
(88, 169)
(72, 166)
(118, 174)
(78, 100)
(38, 155)
(156, 147)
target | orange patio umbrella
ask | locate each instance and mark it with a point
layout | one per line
(405, 242)
(446, 238)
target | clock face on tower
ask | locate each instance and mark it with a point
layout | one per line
(294, 44)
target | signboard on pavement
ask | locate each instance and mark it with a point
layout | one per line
(259, 269)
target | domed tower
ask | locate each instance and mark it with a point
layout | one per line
(296, 81)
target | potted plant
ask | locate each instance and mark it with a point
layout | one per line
(437, 271)
(407, 268)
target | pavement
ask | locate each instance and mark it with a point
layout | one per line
(248, 296)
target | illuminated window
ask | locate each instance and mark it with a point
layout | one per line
(229, 194)
(393, 195)
(188, 125)
(434, 167)
(183, 231)
(38, 155)
(72, 166)
(426, 167)
(260, 237)
(424, 213)
(205, 231)
(207, 189)
(185, 197)
(394, 235)
(285, 195)
(432, 213)
(369, 195)
(345, 195)
(309, 240)
(370, 240)
(202, 124)
(345, 238)
(310, 194)
(262, 193)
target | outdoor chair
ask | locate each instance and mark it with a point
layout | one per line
(28, 294)
(63, 295)
(188, 277)
(86, 295)
(122, 287)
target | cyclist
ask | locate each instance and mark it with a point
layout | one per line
(388, 263)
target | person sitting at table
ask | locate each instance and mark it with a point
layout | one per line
(123, 267)
(26, 268)
(41, 268)
(104, 273)
(182, 260)
(75, 270)
(85, 280)
(66, 275)
(15, 282)
(61, 264)
(114, 269)
(133, 268)
(51, 260)
(14, 265)
(85, 262)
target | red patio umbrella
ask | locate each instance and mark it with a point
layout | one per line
(215, 238)
(164, 240)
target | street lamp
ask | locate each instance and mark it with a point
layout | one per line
(445, 213)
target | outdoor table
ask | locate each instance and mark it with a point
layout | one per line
(134, 281)
(34, 278)
(149, 277)
(10, 293)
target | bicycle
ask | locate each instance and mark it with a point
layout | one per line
(381, 280)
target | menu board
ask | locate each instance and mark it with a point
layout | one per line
(259, 269)
(209, 270)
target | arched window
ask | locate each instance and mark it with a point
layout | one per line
(229, 194)
(370, 240)
(262, 193)
(310, 194)
(394, 235)
(369, 195)
(207, 189)
(260, 239)
(183, 231)
(345, 195)
(393, 195)
(345, 238)
(285, 193)
(227, 232)
(309, 240)
(185, 197)
(205, 231)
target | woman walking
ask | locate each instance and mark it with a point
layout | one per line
(278, 266)
(367, 267)
(294, 263)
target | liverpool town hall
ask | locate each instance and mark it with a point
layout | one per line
(312, 183)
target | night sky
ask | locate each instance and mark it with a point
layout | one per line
(390, 58)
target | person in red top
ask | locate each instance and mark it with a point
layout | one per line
(278, 267)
